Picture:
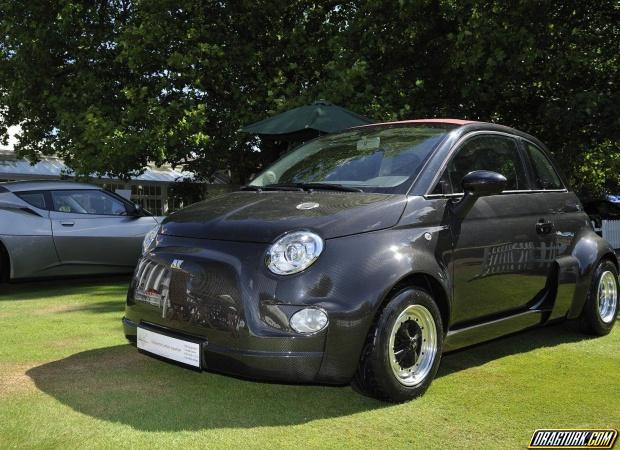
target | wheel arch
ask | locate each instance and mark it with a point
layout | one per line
(611, 257)
(427, 282)
(589, 250)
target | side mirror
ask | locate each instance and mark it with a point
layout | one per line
(478, 183)
(483, 182)
(138, 211)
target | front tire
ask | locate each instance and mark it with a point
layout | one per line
(601, 307)
(403, 349)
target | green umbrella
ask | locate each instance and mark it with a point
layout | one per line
(307, 121)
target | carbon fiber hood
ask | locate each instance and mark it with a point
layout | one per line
(263, 216)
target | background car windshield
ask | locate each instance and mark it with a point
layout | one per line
(375, 160)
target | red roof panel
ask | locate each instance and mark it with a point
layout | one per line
(458, 122)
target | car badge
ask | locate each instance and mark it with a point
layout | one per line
(307, 205)
(176, 264)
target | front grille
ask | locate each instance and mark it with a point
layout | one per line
(203, 292)
(152, 283)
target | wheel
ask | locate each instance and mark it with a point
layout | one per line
(403, 349)
(4, 266)
(601, 307)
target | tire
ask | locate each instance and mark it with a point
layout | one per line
(4, 265)
(403, 349)
(601, 307)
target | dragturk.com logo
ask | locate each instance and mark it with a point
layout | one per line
(573, 439)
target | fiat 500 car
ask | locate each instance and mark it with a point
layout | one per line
(364, 256)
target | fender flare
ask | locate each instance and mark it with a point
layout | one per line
(589, 249)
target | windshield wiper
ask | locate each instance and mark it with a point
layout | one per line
(271, 187)
(312, 187)
(301, 187)
(328, 187)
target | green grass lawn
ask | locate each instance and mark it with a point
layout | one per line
(69, 380)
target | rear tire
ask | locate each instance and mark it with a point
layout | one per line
(403, 349)
(601, 307)
(4, 265)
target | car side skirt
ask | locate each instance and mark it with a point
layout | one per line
(486, 331)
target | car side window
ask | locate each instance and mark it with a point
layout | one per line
(496, 153)
(36, 199)
(545, 176)
(87, 202)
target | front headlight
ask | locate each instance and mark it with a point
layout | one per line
(149, 238)
(294, 252)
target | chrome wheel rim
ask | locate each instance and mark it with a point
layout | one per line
(607, 296)
(413, 345)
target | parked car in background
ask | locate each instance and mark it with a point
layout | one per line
(365, 255)
(613, 198)
(55, 228)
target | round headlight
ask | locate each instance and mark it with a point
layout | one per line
(294, 252)
(149, 238)
(308, 320)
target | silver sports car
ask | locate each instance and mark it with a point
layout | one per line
(51, 228)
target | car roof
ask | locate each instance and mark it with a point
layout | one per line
(458, 122)
(45, 185)
(463, 125)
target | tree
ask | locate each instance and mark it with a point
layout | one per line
(110, 85)
(548, 68)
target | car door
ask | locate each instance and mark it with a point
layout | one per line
(564, 206)
(26, 232)
(504, 247)
(93, 227)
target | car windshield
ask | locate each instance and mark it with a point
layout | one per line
(371, 159)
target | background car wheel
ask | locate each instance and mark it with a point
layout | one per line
(601, 307)
(4, 265)
(403, 349)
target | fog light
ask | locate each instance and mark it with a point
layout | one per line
(309, 320)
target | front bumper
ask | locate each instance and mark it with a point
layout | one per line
(221, 293)
(279, 359)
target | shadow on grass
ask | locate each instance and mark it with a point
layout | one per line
(38, 290)
(521, 342)
(99, 307)
(118, 384)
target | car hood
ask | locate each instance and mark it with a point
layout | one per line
(263, 216)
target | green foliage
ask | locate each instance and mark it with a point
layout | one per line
(598, 169)
(110, 85)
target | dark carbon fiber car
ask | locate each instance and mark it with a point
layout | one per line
(363, 256)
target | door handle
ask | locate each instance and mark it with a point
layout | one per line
(66, 223)
(544, 227)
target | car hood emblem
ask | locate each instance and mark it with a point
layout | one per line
(176, 264)
(307, 205)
